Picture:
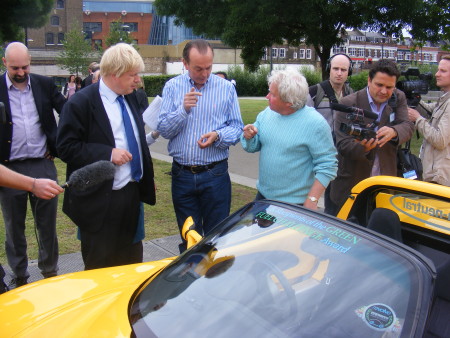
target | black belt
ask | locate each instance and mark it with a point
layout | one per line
(196, 169)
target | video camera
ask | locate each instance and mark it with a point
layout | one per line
(414, 88)
(356, 127)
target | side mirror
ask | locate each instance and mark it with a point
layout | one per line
(188, 232)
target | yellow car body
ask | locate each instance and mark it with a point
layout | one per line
(270, 269)
(417, 203)
(83, 304)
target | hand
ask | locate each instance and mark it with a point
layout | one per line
(120, 156)
(310, 204)
(368, 144)
(45, 188)
(250, 131)
(190, 99)
(385, 134)
(413, 114)
(207, 139)
(48, 156)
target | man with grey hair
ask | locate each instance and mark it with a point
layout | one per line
(297, 155)
(104, 123)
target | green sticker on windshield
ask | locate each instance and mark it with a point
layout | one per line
(379, 317)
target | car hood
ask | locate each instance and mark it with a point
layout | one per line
(90, 303)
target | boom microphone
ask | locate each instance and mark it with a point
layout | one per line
(90, 175)
(348, 109)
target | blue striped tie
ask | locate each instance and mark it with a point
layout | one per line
(136, 171)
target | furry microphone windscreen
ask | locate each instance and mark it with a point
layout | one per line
(90, 175)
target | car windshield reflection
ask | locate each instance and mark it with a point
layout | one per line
(277, 270)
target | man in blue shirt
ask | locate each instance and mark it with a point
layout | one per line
(200, 116)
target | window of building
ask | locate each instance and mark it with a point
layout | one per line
(359, 38)
(399, 55)
(264, 57)
(60, 38)
(60, 4)
(132, 26)
(385, 54)
(92, 26)
(54, 20)
(361, 52)
(49, 39)
(302, 53)
(339, 50)
(407, 56)
(274, 52)
(295, 55)
(308, 53)
(352, 51)
(282, 52)
(392, 54)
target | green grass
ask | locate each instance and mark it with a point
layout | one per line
(251, 108)
(159, 222)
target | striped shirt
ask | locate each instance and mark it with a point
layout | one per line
(217, 109)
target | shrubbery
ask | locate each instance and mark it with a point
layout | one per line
(154, 84)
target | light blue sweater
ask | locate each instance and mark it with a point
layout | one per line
(294, 150)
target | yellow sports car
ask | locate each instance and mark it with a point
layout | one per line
(269, 270)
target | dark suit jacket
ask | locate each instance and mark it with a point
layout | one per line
(47, 97)
(354, 164)
(85, 136)
(86, 81)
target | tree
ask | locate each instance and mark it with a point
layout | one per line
(432, 24)
(76, 53)
(254, 25)
(118, 32)
(15, 15)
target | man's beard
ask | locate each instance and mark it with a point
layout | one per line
(20, 79)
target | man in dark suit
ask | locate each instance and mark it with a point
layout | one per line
(359, 160)
(103, 122)
(93, 67)
(28, 146)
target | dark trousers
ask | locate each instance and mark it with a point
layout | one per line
(113, 244)
(205, 196)
(330, 207)
(14, 208)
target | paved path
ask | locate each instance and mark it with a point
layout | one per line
(243, 166)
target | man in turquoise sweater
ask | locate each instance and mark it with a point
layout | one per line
(298, 157)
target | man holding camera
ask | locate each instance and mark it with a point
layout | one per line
(435, 149)
(360, 159)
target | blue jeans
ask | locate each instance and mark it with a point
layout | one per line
(205, 196)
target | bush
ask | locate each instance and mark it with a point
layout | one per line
(154, 84)
(359, 81)
(247, 83)
(312, 76)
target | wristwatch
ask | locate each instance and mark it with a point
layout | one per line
(313, 199)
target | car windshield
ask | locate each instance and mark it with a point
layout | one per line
(273, 270)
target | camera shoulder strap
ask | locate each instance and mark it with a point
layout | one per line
(320, 90)
(326, 85)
